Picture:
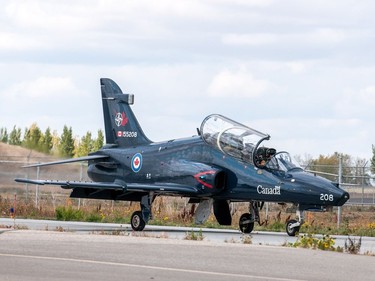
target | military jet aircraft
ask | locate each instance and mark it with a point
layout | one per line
(226, 162)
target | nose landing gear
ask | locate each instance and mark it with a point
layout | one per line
(293, 226)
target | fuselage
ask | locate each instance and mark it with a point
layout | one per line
(180, 161)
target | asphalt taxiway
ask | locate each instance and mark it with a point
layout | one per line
(212, 235)
(51, 255)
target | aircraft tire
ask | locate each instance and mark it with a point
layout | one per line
(137, 222)
(246, 227)
(291, 231)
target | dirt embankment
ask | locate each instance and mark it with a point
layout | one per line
(12, 158)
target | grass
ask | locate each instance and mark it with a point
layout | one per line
(191, 235)
(69, 214)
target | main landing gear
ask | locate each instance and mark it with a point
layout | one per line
(139, 219)
(247, 220)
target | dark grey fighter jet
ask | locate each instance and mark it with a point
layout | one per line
(226, 162)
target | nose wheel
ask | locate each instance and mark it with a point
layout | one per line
(292, 227)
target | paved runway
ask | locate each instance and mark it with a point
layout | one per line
(51, 255)
(213, 235)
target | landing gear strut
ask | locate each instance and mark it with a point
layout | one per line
(139, 219)
(247, 220)
(293, 226)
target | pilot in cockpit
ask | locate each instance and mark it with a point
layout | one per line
(263, 155)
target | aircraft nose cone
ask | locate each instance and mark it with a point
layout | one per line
(342, 200)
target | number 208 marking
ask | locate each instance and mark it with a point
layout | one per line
(326, 197)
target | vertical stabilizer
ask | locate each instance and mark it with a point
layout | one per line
(121, 125)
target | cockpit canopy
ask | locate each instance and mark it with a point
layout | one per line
(243, 143)
(231, 137)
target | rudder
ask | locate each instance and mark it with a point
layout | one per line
(121, 125)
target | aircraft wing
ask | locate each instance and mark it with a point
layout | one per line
(71, 160)
(74, 184)
(119, 185)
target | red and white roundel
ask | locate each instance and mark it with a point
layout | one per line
(137, 162)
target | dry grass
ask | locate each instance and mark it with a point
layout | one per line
(176, 211)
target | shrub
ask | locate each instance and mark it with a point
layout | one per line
(93, 217)
(68, 214)
(309, 241)
(352, 246)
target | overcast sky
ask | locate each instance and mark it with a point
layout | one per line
(301, 71)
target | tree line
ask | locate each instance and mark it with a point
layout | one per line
(64, 145)
(354, 169)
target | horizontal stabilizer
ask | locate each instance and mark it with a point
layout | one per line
(71, 160)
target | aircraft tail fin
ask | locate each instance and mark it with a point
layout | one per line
(121, 125)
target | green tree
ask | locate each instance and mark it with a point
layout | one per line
(66, 146)
(373, 160)
(99, 141)
(4, 135)
(85, 145)
(32, 137)
(15, 136)
(46, 143)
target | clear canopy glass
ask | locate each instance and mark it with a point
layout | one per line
(243, 143)
(282, 161)
(231, 137)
